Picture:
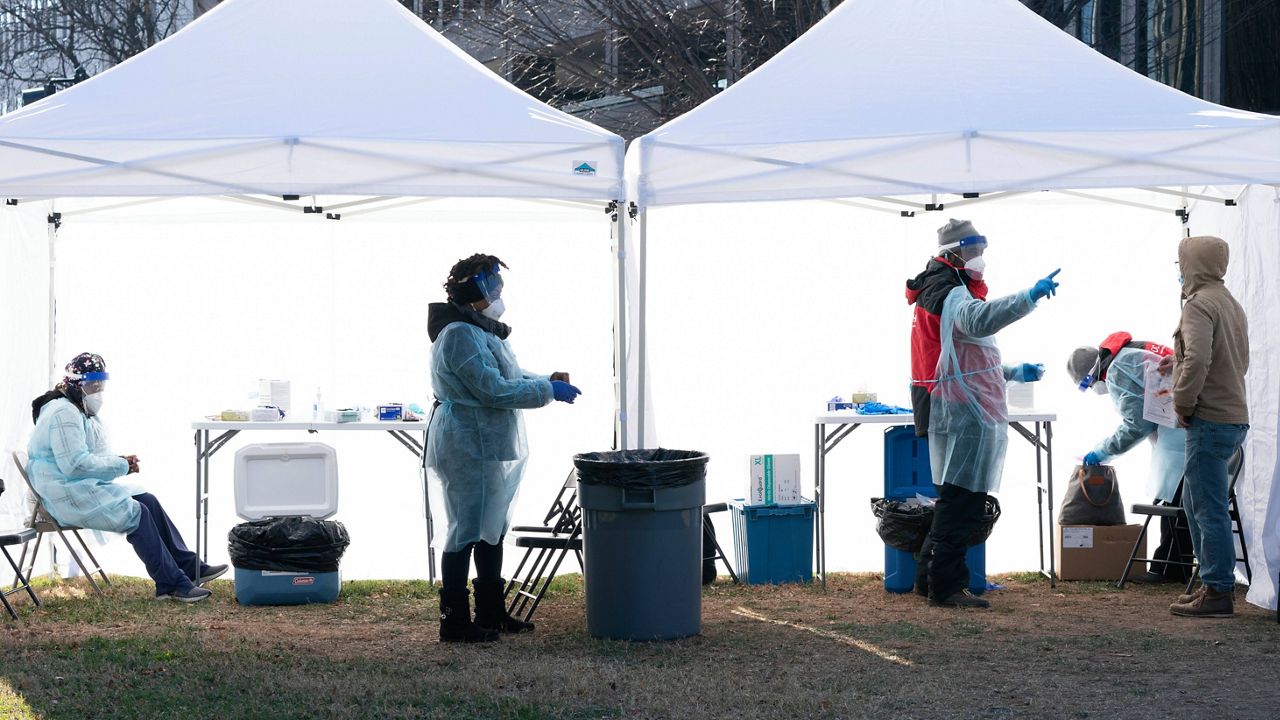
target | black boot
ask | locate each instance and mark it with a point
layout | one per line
(491, 610)
(455, 620)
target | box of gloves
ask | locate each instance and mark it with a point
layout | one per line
(775, 480)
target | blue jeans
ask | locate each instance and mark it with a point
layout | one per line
(1209, 447)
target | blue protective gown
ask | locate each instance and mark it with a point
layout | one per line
(476, 446)
(968, 417)
(74, 471)
(1126, 383)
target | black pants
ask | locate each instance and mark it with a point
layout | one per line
(956, 517)
(1165, 551)
(455, 566)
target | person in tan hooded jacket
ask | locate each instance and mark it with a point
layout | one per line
(1211, 357)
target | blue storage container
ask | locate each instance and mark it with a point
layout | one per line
(773, 543)
(907, 473)
(268, 587)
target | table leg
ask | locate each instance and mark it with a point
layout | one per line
(201, 435)
(819, 475)
(420, 450)
(1053, 570)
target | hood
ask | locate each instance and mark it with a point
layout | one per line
(932, 285)
(1203, 260)
(441, 315)
(38, 404)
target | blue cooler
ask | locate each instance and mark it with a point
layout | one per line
(907, 473)
(773, 544)
(274, 480)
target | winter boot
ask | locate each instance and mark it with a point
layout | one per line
(455, 619)
(491, 610)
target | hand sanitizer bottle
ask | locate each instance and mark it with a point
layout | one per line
(317, 410)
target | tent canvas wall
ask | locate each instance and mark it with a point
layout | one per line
(958, 102)
(357, 107)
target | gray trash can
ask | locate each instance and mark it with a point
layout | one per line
(642, 542)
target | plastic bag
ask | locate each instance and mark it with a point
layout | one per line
(288, 544)
(904, 524)
(651, 468)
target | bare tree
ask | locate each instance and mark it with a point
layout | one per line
(44, 39)
(632, 64)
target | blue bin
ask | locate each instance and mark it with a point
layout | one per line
(773, 543)
(266, 587)
(906, 473)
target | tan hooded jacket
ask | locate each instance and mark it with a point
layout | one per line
(1211, 344)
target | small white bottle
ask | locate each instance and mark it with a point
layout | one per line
(317, 410)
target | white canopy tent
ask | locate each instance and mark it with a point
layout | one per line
(908, 104)
(354, 107)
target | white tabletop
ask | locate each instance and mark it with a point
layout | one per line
(850, 417)
(385, 426)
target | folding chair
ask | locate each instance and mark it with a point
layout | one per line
(1234, 466)
(546, 546)
(711, 548)
(43, 523)
(21, 582)
(1185, 557)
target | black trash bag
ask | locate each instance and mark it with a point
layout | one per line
(904, 525)
(288, 544)
(651, 468)
(989, 517)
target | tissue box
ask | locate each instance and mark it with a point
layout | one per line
(342, 416)
(859, 398)
(234, 416)
(775, 480)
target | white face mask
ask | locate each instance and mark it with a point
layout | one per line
(494, 310)
(976, 266)
(1100, 387)
(93, 403)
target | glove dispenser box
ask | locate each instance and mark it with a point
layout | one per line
(281, 488)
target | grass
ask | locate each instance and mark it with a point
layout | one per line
(764, 652)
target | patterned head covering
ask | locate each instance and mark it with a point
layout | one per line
(85, 366)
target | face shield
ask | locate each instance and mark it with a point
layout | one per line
(970, 251)
(490, 284)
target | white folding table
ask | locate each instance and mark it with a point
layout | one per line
(846, 421)
(211, 435)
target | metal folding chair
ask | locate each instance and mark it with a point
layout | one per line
(43, 523)
(711, 548)
(21, 582)
(1186, 557)
(546, 546)
(1178, 555)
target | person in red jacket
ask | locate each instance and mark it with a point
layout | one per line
(958, 397)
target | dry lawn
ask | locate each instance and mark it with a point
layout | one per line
(1083, 650)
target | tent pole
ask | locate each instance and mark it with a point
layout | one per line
(641, 323)
(620, 328)
(52, 223)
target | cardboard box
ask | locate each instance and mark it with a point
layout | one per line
(1095, 552)
(775, 480)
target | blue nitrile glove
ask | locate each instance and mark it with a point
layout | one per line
(1031, 372)
(1045, 287)
(1092, 458)
(563, 391)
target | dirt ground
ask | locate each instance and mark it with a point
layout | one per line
(1081, 650)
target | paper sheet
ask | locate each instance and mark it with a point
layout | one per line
(1157, 401)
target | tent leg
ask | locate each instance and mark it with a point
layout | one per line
(620, 327)
(52, 224)
(641, 340)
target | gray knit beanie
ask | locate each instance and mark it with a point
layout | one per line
(1081, 362)
(955, 231)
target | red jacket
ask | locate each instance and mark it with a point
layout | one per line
(928, 291)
